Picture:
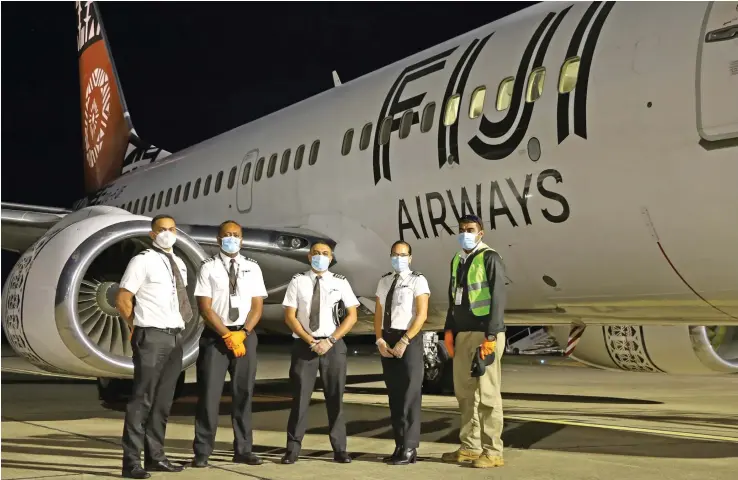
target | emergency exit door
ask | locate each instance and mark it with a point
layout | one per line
(717, 77)
(244, 192)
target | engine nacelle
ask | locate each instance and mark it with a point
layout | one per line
(673, 349)
(59, 300)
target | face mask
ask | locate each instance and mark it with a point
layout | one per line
(468, 240)
(165, 239)
(400, 264)
(231, 244)
(320, 262)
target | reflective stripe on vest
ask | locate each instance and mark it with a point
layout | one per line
(480, 298)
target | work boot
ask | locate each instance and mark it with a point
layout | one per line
(459, 456)
(488, 461)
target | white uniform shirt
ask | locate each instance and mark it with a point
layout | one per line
(149, 277)
(409, 285)
(333, 288)
(212, 282)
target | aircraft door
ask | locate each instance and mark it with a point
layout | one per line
(244, 192)
(717, 75)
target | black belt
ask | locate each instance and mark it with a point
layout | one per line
(394, 331)
(170, 331)
(232, 328)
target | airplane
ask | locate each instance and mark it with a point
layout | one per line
(602, 162)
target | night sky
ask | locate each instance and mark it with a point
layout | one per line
(190, 71)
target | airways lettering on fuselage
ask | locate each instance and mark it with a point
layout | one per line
(498, 201)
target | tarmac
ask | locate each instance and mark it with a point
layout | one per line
(561, 421)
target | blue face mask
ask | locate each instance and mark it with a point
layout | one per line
(468, 240)
(400, 264)
(231, 244)
(320, 262)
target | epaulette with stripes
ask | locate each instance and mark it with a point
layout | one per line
(417, 274)
(340, 277)
(209, 259)
(144, 252)
(251, 260)
(387, 274)
(297, 275)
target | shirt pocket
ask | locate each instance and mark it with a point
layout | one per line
(405, 300)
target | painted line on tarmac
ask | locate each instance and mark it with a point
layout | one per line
(605, 426)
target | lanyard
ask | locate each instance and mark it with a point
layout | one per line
(233, 287)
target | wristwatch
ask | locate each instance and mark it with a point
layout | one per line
(248, 332)
(332, 339)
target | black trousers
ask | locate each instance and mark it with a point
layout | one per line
(404, 380)
(303, 373)
(213, 360)
(157, 363)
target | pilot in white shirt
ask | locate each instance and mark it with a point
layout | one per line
(400, 311)
(158, 279)
(315, 303)
(230, 292)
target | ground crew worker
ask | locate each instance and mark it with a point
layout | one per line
(400, 311)
(475, 318)
(158, 279)
(230, 293)
(310, 305)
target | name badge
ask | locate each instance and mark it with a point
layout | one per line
(235, 301)
(459, 294)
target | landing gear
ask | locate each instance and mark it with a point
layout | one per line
(119, 390)
(438, 377)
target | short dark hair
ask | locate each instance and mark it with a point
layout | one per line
(323, 242)
(220, 227)
(402, 242)
(472, 219)
(160, 217)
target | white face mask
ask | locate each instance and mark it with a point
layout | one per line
(165, 239)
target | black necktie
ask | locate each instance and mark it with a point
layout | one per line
(388, 304)
(185, 309)
(315, 307)
(233, 309)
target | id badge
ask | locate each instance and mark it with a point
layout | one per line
(235, 301)
(459, 294)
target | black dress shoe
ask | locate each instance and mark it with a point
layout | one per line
(341, 457)
(164, 466)
(247, 458)
(200, 462)
(289, 458)
(393, 456)
(405, 457)
(135, 472)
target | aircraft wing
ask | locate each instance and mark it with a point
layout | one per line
(24, 224)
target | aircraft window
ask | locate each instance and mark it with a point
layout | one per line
(427, 122)
(452, 110)
(128, 206)
(186, 192)
(569, 73)
(151, 202)
(246, 172)
(143, 204)
(535, 84)
(504, 94)
(259, 169)
(285, 161)
(169, 197)
(314, 153)
(159, 199)
(348, 137)
(477, 102)
(366, 134)
(206, 188)
(298, 156)
(135, 206)
(272, 165)
(218, 181)
(385, 131)
(406, 122)
(196, 190)
(176, 194)
(232, 177)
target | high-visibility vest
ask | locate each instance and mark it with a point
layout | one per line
(480, 298)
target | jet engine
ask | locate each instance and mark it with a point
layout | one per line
(59, 300)
(672, 349)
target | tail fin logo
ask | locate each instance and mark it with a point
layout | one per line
(96, 114)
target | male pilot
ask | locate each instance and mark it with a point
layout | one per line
(157, 278)
(475, 317)
(230, 293)
(310, 311)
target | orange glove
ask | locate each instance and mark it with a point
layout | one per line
(488, 346)
(234, 340)
(448, 339)
(239, 350)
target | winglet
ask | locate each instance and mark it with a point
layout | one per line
(336, 80)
